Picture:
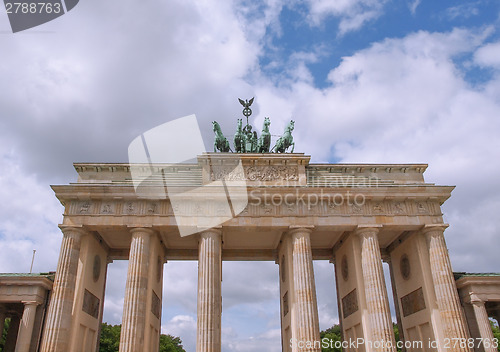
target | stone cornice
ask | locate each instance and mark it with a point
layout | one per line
(478, 280)
(26, 281)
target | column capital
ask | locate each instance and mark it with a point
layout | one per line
(77, 231)
(366, 230)
(214, 231)
(293, 229)
(434, 229)
(32, 303)
(139, 229)
(476, 300)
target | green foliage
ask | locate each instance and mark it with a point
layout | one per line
(3, 337)
(395, 328)
(110, 340)
(332, 335)
(496, 332)
(169, 343)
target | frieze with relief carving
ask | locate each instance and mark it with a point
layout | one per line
(256, 173)
(258, 207)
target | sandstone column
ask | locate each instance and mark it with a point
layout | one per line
(377, 302)
(26, 327)
(483, 323)
(58, 323)
(305, 324)
(11, 339)
(448, 302)
(134, 306)
(209, 292)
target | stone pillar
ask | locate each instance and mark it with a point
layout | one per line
(305, 323)
(134, 306)
(209, 292)
(448, 302)
(26, 327)
(56, 334)
(377, 302)
(11, 339)
(483, 323)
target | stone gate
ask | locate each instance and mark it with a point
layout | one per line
(355, 215)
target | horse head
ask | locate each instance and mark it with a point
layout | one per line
(216, 126)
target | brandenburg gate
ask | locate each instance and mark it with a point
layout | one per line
(257, 203)
(294, 212)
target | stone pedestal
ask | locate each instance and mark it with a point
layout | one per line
(26, 327)
(305, 323)
(134, 307)
(209, 292)
(483, 323)
(379, 315)
(58, 322)
(452, 317)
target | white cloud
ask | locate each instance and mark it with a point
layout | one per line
(463, 10)
(185, 327)
(353, 14)
(413, 6)
(488, 55)
(29, 214)
(268, 341)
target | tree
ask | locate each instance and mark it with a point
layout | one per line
(169, 343)
(3, 336)
(496, 333)
(110, 340)
(332, 335)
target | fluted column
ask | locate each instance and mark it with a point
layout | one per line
(134, 306)
(305, 319)
(377, 302)
(483, 323)
(209, 292)
(58, 324)
(26, 327)
(448, 302)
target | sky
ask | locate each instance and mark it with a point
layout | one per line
(366, 81)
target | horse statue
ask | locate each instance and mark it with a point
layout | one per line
(264, 142)
(239, 138)
(221, 143)
(286, 140)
